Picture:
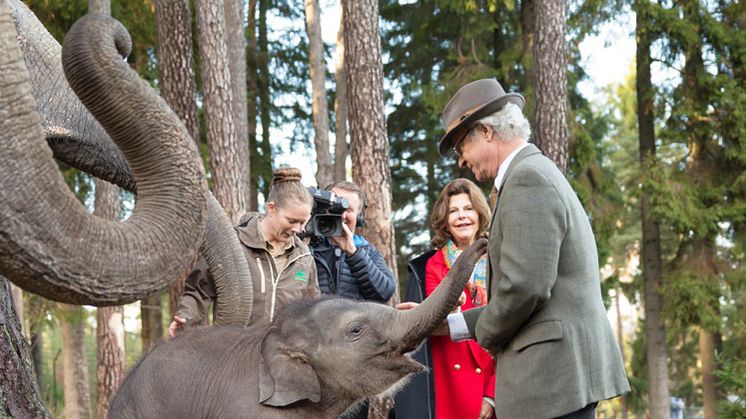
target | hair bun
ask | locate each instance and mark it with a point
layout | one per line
(286, 174)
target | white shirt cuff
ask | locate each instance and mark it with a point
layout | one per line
(457, 327)
(490, 401)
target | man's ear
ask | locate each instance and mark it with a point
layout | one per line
(285, 376)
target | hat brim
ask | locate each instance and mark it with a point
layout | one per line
(446, 144)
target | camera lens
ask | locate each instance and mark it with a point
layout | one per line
(326, 226)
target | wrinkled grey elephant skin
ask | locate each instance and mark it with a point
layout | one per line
(317, 359)
(79, 140)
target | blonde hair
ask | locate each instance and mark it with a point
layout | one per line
(439, 215)
(285, 189)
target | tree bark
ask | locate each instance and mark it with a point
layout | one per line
(21, 397)
(703, 170)
(620, 339)
(252, 101)
(222, 141)
(151, 315)
(341, 150)
(110, 358)
(173, 23)
(528, 38)
(177, 85)
(711, 395)
(111, 355)
(236, 45)
(17, 294)
(319, 108)
(74, 364)
(265, 158)
(99, 6)
(551, 133)
(655, 334)
(369, 144)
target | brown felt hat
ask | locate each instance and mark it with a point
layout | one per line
(472, 102)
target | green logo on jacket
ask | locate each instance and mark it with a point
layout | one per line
(301, 276)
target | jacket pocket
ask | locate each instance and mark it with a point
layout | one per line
(545, 331)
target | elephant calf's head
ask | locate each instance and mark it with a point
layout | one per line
(336, 351)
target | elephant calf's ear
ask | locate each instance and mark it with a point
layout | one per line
(285, 377)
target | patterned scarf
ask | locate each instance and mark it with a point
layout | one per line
(478, 279)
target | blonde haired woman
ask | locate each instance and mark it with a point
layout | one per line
(281, 265)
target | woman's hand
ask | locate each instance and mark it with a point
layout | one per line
(487, 411)
(176, 325)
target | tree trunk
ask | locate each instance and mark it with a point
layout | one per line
(74, 364)
(551, 133)
(711, 395)
(620, 339)
(705, 172)
(319, 108)
(173, 22)
(17, 294)
(20, 394)
(369, 145)
(341, 151)
(528, 37)
(265, 157)
(110, 358)
(222, 141)
(36, 322)
(236, 46)
(252, 101)
(655, 334)
(99, 6)
(151, 315)
(111, 355)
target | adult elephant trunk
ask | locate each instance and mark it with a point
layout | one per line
(78, 140)
(49, 244)
(412, 326)
(72, 133)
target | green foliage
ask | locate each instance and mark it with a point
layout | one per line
(732, 375)
(137, 16)
(433, 48)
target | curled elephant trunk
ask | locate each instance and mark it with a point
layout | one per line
(412, 326)
(51, 246)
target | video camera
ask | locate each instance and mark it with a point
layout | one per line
(326, 215)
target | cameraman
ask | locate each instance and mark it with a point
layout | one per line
(348, 265)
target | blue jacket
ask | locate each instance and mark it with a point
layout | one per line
(363, 275)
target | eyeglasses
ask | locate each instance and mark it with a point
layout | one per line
(458, 148)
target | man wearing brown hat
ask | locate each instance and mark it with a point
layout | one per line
(545, 322)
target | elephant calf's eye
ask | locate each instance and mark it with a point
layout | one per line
(355, 331)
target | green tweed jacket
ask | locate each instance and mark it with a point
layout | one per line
(545, 322)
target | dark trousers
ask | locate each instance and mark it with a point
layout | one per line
(588, 412)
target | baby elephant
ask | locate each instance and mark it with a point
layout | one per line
(319, 358)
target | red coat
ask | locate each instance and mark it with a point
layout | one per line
(464, 373)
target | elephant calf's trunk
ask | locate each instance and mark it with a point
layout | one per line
(412, 326)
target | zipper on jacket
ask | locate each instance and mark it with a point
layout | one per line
(276, 280)
(261, 273)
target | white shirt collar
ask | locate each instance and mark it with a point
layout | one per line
(504, 167)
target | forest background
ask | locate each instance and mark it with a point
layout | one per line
(657, 160)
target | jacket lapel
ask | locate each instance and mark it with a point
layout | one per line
(529, 150)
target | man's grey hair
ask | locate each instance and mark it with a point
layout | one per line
(509, 123)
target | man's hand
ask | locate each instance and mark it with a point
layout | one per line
(346, 241)
(176, 325)
(461, 301)
(442, 330)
